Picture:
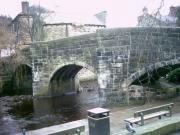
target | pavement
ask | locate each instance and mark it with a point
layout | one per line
(118, 114)
(157, 127)
(149, 128)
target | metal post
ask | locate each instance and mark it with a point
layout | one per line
(78, 131)
(23, 131)
(142, 118)
(170, 110)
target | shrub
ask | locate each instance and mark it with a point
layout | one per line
(174, 76)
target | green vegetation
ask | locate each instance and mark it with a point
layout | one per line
(163, 81)
(174, 76)
(151, 77)
(19, 82)
(168, 92)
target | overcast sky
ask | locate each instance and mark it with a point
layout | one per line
(120, 13)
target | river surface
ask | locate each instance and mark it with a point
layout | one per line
(32, 113)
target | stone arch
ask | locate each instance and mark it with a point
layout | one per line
(63, 78)
(151, 67)
(22, 79)
(22, 64)
(83, 64)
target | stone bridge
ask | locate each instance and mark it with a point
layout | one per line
(16, 73)
(117, 56)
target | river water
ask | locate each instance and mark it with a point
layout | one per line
(37, 113)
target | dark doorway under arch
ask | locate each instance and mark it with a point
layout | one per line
(22, 80)
(151, 77)
(64, 80)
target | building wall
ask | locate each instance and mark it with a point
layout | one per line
(75, 30)
(55, 31)
(63, 30)
(22, 25)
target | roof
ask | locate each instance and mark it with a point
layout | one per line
(18, 16)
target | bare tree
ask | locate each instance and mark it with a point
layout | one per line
(154, 18)
(7, 38)
(34, 26)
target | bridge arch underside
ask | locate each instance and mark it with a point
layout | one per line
(64, 80)
(21, 81)
(151, 76)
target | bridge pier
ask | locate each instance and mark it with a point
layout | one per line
(40, 89)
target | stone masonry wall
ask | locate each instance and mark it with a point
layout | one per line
(48, 57)
(52, 32)
(64, 30)
(117, 56)
(123, 52)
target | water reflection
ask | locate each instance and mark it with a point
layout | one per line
(38, 113)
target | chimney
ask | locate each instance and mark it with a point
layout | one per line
(25, 7)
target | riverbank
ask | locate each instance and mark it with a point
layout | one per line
(8, 124)
(8, 102)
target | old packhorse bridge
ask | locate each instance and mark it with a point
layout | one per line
(118, 57)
